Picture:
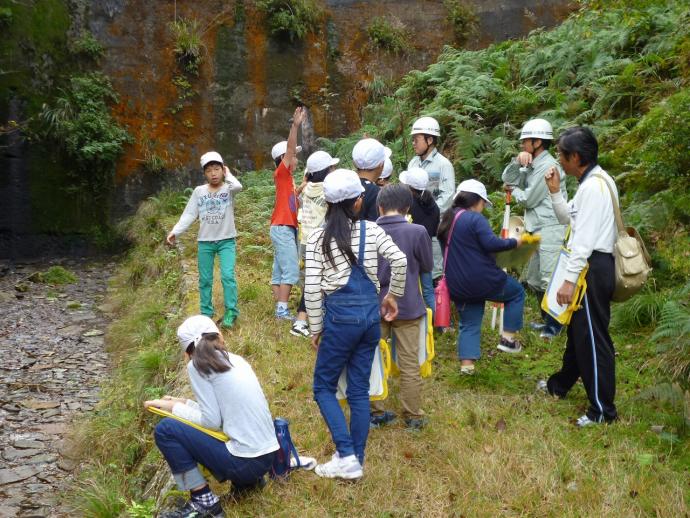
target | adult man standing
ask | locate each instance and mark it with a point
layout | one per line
(524, 176)
(589, 352)
(425, 134)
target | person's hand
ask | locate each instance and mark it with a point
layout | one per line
(519, 242)
(553, 180)
(524, 158)
(160, 403)
(170, 239)
(299, 116)
(389, 308)
(226, 173)
(508, 188)
(315, 339)
(564, 296)
(175, 399)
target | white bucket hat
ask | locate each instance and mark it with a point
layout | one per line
(342, 184)
(476, 187)
(368, 153)
(190, 330)
(415, 177)
(211, 156)
(280, 148)
(320, 160)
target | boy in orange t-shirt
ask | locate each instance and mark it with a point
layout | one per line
(284, 220)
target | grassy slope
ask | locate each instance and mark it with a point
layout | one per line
(464, 462)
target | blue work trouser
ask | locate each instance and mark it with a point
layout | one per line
(471, 314)
(184, 447)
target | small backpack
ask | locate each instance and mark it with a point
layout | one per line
(286, 449)
(632, 261)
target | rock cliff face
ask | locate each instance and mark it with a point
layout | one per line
(250, 81)
(239, 103)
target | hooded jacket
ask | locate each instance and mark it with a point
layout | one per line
(312, 211)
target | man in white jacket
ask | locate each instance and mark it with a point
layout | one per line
(589, 352)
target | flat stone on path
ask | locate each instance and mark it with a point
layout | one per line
(8, 476)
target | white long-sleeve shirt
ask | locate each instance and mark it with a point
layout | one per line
(591, 219)
(441, 177)
(215, 211)
(323, 278)
(231, 401)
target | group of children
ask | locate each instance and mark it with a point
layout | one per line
(368, 273)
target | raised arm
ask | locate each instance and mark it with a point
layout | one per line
(291, 151)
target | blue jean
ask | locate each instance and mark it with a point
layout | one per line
(349, 339)
(285, 259)
(225, 249)
(184, 447)
(472, 313)
(428, 290)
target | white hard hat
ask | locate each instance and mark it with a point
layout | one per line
(281, 148)
(211, 156)
(476, 187)
(537, 128)
(426, 126)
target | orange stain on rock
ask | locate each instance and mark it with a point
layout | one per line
(256, 40)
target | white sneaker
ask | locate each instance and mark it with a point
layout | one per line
(584, 421)
(300, 328)
(348, 468)
(542, 386)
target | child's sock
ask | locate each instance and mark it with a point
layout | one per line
(281, 306)
(204, 496)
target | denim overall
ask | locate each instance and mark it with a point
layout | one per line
(351, 332)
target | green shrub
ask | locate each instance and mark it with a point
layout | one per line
(463, 19)
(188, 44)
(87, 45)
(57, 275)
(5, 16)
(292, 19)
(389, 34)
(80, 124)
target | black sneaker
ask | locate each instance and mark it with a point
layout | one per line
(548, 333)
(416, 423)
(537, 326)
(508, 346)
(377, 420)
(192, 509)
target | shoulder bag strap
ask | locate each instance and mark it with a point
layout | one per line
(616, 208)
(450, 235)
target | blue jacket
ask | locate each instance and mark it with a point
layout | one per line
(471, 271)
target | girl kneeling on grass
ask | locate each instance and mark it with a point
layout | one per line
(473, 276)
(228, 398)
(341, 295)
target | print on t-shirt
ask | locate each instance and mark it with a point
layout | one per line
(212, 207)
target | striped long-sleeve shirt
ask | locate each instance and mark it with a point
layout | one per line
(323, 278)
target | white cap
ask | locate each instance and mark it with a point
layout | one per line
(387, 151)
(368, 153)
(342, 184)
(191, 330)
(280, 148)
(211, 156)
(426, 126)
(415, 177)
(387, 168)
(320, 160)
(537, 128)
(476, 187)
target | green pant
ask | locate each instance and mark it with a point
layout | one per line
(225, 249)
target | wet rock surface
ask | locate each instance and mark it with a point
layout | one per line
(52, 360)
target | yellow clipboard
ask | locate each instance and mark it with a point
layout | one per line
(560, 312)
(213, 433)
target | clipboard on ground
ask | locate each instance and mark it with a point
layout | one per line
(216, 434)
(562, 313)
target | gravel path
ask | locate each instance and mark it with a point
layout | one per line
(51, 361)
